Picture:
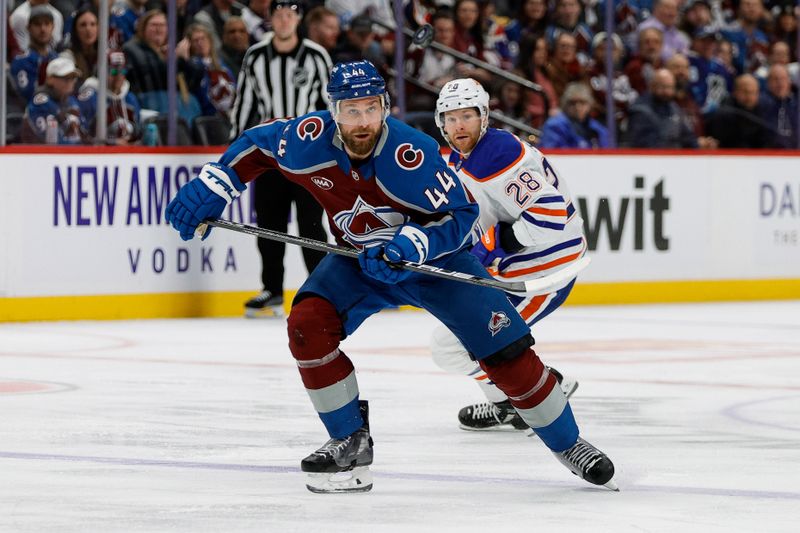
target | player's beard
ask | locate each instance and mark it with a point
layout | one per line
(467, 144)
(361, 148)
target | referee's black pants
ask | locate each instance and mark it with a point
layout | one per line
(273, 197)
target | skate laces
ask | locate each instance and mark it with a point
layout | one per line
(333, 447)
(264, 296)
(485, 410)
(583, 455)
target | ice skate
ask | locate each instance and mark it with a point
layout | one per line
(589, 463)
(502, 416)
(342, 465)
(264, 305)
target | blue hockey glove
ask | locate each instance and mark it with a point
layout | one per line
(206, 196)
(410, 244)
(488, 249)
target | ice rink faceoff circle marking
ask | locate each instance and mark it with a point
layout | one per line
(738, 412)
(14, 386)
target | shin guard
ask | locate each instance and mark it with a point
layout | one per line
(534, 393)
(315, 331)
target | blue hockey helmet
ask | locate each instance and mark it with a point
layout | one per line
(355, 79)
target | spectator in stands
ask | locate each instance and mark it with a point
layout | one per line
(779, 54)
(437, 68)
(468, 38)
(218, 87)
(567, 20)
(531, 19)
(786, 26)
(532, 62)
(656, 121)
(28, 70)
(627, 16)
(509, 102)
(359, 43)
(322, 27)
(256, 18)
(147, 67)
(215, 14)
(622, 92)
(724, 55)
(679, 66)
(781, 107)
(20, 18)
(124, 15)
(647, 60)
(54, 102)
(696, 15)
(235, 42)
(122, 107)
(665, 18)
(750, 44)
(740, 122)
(82, 49)
(564, 67)
(574, 127)
(711, 81)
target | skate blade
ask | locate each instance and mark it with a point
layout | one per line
(612, 485)
(267, 312)
(358, 479)
(569, 386)
(505, 428)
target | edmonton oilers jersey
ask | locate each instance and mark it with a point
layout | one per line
(404, 181)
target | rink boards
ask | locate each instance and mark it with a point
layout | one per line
(82, 234)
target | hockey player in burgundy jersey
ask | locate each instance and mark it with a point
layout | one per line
(387, 193)
(528, 229)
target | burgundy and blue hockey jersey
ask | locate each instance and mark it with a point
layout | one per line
(404, 181)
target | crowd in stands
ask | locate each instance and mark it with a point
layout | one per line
(686, 73)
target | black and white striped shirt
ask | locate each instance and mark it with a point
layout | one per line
(274, 85)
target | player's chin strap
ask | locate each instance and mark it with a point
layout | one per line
(543, 285)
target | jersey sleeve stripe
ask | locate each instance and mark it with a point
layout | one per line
(547, 212)
(549, 200)
(542, 223)
(537, 268)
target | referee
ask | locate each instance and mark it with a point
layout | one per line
(282, 76)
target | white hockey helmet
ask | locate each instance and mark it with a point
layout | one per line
(462, 93)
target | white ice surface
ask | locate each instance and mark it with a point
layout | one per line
(200, 425)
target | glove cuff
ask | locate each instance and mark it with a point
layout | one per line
(418, 239)
(221, 180)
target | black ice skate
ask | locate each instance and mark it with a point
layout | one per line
(589, 463)
(264, 304)
(342, 465)
(502, 416)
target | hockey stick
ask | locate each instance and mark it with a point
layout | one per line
(543, 285)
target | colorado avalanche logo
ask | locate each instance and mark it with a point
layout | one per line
(407, 157)
(498, 321)
(310, 128)
(364, 225)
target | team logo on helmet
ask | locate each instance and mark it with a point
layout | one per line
(323, 183)
(407, 157)
(310, 128)
(498, 321)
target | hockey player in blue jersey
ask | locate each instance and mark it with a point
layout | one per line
(387, 192)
